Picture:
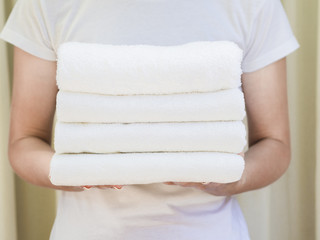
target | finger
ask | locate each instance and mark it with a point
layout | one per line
(169, 183)
(75, 188)
(184, 184)
(241, 154)
(101, 187)
(110, 186)
(190, 184)
(205, 183)
(87, 187)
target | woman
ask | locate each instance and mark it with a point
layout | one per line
(162, 210)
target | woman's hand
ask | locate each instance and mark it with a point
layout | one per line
(218, 189)
(87, 187)
(31, 121)
(269, 149)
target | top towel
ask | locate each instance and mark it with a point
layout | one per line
(200, 66)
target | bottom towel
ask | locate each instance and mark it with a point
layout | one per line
(145, 168)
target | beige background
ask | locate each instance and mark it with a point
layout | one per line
(288, 209)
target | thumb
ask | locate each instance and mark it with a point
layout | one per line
(241, 154)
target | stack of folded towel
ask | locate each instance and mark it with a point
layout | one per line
(139, 114)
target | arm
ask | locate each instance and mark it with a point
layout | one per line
(269, 153)
(32, 111)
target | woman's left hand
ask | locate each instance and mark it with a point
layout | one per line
(218, 189)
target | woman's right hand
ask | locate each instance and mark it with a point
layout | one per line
(87, 187)
(31, 121)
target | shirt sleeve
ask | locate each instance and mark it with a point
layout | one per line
(26, 28)
(270, 37)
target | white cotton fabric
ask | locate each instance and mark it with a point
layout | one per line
(151, 211)
(224, 105)
(219, 136)
(260, 27)
(145, 168)
(200, 66)
(180, 151)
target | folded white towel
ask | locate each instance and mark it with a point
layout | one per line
(200, 66)
(144, 168)
(229, 136)
(216, 106)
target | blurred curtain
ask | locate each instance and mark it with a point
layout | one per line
(317, 187)
(26, 211)
(7, 195)
(288, 209)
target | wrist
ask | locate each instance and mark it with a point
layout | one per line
(229, 189)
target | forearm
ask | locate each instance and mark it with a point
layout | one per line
(30, 158)
(265, 162)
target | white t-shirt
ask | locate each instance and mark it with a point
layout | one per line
(152, 211)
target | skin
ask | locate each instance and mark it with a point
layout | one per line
(269, 153)
(33, 107)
